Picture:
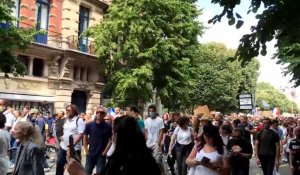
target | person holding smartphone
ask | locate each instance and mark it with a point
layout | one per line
(208, 157)
(240, 151)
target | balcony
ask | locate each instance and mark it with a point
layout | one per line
(54, 39)
(81, 44)
(47, 37)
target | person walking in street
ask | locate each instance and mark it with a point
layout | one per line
(154, 131)
(208, 158)
(225, 132)
(133, 111)
(74, 126)
(267, 148)
(29, 156)
(59, 123)
(294, 147)
(182, 142)
(97, 141)
(4, 146)
(37, 120)
(240, 151)
(287, 140)
(247, 128)
(25, 114)
(131, 156)
(4, 108)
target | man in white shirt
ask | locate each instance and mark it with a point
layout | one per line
(74, 126)
(154, 126)
(9, 116)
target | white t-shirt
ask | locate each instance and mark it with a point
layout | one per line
(183, 136)
(214, 157)
(153, 126)
(70, 128)
(10, 118)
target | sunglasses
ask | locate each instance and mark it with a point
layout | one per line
(100, 112)
(68, 110)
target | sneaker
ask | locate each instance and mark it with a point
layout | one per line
(47, 169)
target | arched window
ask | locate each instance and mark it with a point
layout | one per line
(42, 17)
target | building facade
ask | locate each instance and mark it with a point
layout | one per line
(61, 65)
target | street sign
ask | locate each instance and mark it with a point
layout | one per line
(245, 101)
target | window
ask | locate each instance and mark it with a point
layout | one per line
(38, 67)
(42, 14)
(83, 25)
(24, 59)
(15, 7)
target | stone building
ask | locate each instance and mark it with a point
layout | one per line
(61, 65)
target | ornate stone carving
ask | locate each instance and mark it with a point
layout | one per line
(24, 85)
(66, 64)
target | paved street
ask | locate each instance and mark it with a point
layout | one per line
(254, 169)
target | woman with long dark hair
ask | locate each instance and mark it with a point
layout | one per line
(131, 155)
(208, 157)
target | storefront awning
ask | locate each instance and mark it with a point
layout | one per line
(23, 97)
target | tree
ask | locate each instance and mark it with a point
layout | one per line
(219, 80)
(11, 39)
(274, 98)
(278, 20)
(148, 45)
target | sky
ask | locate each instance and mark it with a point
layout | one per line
(221, 32)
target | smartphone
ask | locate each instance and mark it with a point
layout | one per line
(205, 160)
(71, 146)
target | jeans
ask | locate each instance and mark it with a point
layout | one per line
(62, 160)
(240, 170)
(182, 152)
(267, 163)
(92, 161)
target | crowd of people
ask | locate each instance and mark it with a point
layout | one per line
(129, 142)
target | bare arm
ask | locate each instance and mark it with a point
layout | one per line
(78, 138)
(173, 138)
(284, 141)
(146, 134)
(107, 147)
(85, 144)
(256, 149)
(160, 137)
(190, 161)
(225, 168)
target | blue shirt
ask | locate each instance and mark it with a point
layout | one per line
(98, 137)
(40, 122)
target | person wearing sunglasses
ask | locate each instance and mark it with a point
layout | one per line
(97, 141)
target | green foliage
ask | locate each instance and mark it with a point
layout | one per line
(274, 98)
(220, 81)
(12, 38)
(146, 45)
(279, 20)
